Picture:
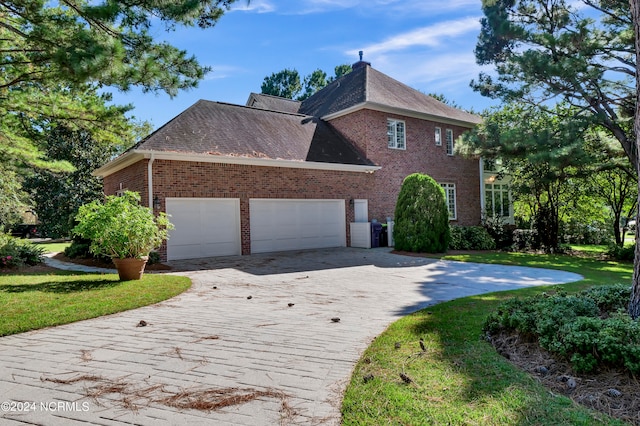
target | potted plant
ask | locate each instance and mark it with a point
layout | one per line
(123, 230)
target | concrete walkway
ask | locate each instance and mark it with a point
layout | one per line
(235, 329)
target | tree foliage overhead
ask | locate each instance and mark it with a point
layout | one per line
(288, 84)
(78, 41)
(578, 52)
(55, 56)
(421, 216)
(543, 151)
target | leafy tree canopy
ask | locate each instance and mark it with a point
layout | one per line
(288, 84)
(547, 50)
(55, 56)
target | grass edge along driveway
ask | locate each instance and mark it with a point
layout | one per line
(31, 301)
(459, 378)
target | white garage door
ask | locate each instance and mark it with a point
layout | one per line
(204, 227)
(280, 225)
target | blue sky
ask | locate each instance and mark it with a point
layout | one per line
(426, 44)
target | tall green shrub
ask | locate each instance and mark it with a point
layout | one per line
(422, 216)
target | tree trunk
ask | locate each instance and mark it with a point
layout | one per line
(634, 303)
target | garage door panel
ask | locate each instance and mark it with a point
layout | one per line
(204, 227)
(281, 225)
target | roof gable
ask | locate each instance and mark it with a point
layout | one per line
(368, 87)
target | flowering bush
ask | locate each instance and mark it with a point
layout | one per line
(16, 252)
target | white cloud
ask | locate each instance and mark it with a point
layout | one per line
(222, 71)
(397, 7)
(431, 36)
(258, 6)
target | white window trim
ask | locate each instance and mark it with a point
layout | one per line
(450, 191)
(449, 138)
(490, 188)
(394, 122)
(438, 136)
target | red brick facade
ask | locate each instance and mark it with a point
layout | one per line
(367, 129)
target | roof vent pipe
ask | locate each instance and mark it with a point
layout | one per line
(360, 63)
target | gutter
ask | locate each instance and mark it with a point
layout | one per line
(134, 156)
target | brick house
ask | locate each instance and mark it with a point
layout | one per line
(277, 174)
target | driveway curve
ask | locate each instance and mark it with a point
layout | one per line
(254, 334)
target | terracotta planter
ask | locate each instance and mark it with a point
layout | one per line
(130, 268)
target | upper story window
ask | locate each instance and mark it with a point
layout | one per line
(396, 137)
(438, 136)
(449, 136)
(450, 193)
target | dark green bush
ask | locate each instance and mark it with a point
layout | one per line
(421, 216)
(16, 252)
(471, 238)
(79, 249)
(625, 253)
(590, 329)
(154, 257)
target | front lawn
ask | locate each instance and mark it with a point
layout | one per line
(31, 301)
(459, 378)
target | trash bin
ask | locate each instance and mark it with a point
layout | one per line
(384, 241)
(376, 230)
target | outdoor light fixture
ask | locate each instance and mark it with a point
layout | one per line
(156, 203)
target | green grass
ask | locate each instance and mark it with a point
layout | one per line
(460, 379)
(53, 247)
(33, 301)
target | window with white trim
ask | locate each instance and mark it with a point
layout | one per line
(396, 137)
(496, 199)
(450, 195)
(449, 137)
(438, 136)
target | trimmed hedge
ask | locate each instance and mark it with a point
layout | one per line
(421, 216)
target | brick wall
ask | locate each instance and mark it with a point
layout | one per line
(210, 180)
(133, 178)
(368, 130)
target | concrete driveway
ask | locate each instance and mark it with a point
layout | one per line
(234, 335)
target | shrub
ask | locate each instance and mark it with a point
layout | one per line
(80, 249)
(120, 227)
(525, 239)
(421, 216)
(626, 253)
(470, 238)
(590, 329)
(501, 232)
(16, 252)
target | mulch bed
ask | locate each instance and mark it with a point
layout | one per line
(613, 392)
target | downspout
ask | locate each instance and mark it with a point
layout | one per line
(482, 191)
(150, 180)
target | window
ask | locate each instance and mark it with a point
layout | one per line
(396, 134)
(450, 193)
(438, 136)
(497, 200)
(449, 136)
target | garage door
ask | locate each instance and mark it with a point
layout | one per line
(280, 225)
(204, 227)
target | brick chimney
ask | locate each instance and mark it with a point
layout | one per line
(360, 63)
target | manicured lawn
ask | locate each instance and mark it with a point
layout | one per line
(31, 301)
(459, 378)
(53, 247)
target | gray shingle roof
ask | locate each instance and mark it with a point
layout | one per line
(273, 103)
(366, 84)
(223, 129)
